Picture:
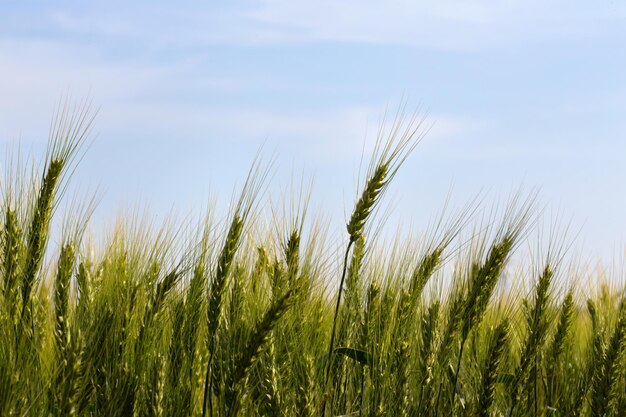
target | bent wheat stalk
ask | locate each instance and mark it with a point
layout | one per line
(387, 159)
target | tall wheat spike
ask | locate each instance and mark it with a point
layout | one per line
(424, 271)
(495, 354)
(62, 389)
(84, 286)
(252, 187)
(387, 159)
(482, 283)
(177, 387)
(154, 307)
(11, 245)
(592, 365)
(537, 324)
(194, 308)
(69, 130)
(558, 344)
(292, 252)
(37, 233)
(61, 295)
(257, 341)
(607, 377)
(218, 283)
(429, 336)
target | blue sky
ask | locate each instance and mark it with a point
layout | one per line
(520, 92)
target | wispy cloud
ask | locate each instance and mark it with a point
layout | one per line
(448, 24)
(444, 24)
(36, 72)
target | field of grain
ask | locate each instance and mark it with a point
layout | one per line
(257, 315)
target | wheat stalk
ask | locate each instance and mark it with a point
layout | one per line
(69, 130)
(607, 377)
(61, 296)
(38, 231)
(254, 346)
(424, 271)
(11, 245)
(490, 370)
(537, 332)
(292, 251)
(384, 165)
(218, 286)
(482, 283)
(558, 343)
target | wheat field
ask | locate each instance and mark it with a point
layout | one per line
(257, 315)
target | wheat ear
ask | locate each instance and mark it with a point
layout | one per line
(254, 346)
(61, 295)
(64, 355)
(482, 283)
(355, 230)
(38, 231)
(558, 342)
(214, 308)
(537, 329)
(490, 371)
(607, 378)
(11, 242)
